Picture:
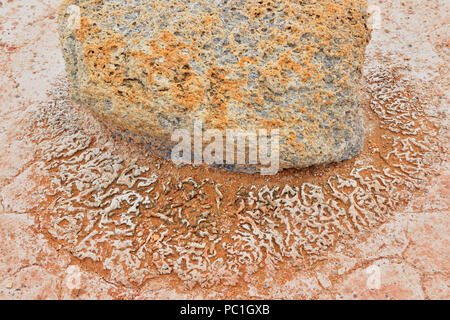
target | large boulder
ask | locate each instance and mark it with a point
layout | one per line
(148, 67)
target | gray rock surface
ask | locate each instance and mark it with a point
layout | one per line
(147, 68)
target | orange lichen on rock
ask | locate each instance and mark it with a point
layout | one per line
(150, 68)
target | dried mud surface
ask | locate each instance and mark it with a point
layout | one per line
(74, 194)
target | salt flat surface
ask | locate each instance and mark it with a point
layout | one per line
(74, 201)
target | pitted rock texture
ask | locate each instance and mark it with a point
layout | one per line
(147, 68)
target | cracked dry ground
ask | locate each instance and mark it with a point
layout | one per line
(73, 194)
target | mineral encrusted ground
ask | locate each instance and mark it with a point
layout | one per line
(149, 67)
(403, 127)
